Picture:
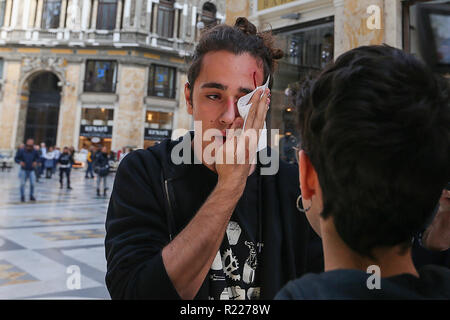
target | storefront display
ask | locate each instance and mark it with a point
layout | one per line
(158, 126)
(96, 127)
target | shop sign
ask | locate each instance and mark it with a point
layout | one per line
(157, 134)
(96, 131)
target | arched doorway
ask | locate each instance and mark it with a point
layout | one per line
(43, 109)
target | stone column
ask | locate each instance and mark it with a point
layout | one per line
(137, 14)
(10, 105)
(353, 25)
(68, 107)
(15, 13)
(40, 7)
(62, 15)
(85, 15)
(182, 120)
(148, 16)
(129, 116)
(94, 15)
(183, 21)
(393, 24)
(73, 15)
(175, 24)
(194, 24)
(127, 14)
(26, 14)
(32, 16)
(119, 14)
(8, 10)
(155, 18)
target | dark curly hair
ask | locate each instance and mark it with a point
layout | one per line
(376, 127)
(241, 38)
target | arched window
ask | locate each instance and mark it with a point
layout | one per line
(208, 17)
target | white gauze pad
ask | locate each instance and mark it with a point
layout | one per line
(244, 107)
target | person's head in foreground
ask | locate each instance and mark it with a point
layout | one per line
(374, 159)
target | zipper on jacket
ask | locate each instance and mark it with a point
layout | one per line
(170, 214)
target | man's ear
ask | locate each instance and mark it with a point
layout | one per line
(187, 96)
(309, 182)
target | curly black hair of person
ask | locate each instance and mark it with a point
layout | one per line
(376, 127)
(238, 39)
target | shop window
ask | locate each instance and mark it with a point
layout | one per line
(97, 116)
(165, 19)
(158, 127)
(100, 76)
(106, 14)
(410, 30)
(161, 81)
(96, 127)
(158, 120)
(310, 48)
(2, 12)
(50, 14)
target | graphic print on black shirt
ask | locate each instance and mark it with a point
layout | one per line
(233, 274)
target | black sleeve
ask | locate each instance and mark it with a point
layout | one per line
(136, 232)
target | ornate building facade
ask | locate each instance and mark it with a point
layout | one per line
(104, 72)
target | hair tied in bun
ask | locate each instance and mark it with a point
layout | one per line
(245, 26)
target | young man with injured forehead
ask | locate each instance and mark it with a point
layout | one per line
(211, 229)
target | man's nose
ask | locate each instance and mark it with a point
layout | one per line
(231, 111)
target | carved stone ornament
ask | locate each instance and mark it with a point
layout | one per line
(56, 65)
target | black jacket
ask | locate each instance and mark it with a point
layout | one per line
(101, 164)
(153, 200)
(65, 160)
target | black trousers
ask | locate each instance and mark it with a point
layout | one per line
(63, 171)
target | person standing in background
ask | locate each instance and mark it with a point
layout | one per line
(101, 165)
(49, 162)
(27, 158)
(89, 160)
(38, 166)
(57, 153)
(42, 158)
(65, 161)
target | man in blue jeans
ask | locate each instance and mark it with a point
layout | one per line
(27, 158)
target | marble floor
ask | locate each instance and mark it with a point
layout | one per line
(52, 248)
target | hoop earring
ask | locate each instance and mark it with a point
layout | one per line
(298, 205)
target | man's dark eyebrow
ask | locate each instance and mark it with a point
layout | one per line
(219, 86)
(214, 85)
(245, 90)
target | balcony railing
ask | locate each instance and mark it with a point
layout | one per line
(116, 38)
